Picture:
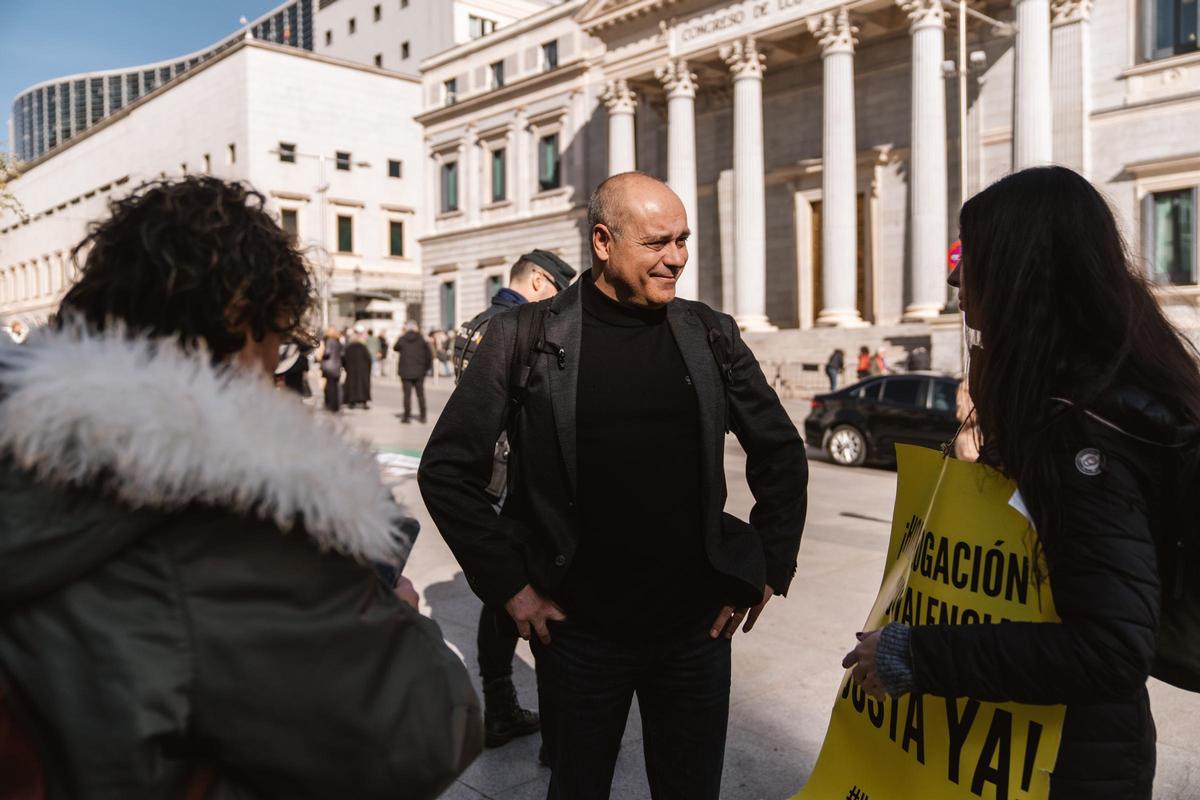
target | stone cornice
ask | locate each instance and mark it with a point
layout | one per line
(486, 101)
(600, 15)
(833, 32)
(744, 59)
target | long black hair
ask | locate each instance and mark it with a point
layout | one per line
(198, 260)
(1062, 312)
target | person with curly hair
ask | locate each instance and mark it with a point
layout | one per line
(189, 600)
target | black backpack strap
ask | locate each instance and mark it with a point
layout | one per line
(722, 351)
(531, 322)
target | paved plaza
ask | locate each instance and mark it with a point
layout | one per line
(785, 673)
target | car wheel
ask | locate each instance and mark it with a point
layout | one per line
(847, 447)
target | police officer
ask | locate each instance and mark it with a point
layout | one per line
(537, 275)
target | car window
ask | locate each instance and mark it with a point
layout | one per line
(902, 391)
(945, 395)
(868, 391)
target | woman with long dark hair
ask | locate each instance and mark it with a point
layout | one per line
(1089, 400)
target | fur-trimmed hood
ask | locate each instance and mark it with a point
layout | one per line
(160, 429)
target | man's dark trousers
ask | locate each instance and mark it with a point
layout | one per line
(410, 385)
(496, 643)
(586, 682)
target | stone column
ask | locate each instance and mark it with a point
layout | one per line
(622, 146)
(1071, 44)
(749, 191)
(680, 85)
(839, 184)
(1032, 123)
(927, 164)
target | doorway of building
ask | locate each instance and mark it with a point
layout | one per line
(860, 260)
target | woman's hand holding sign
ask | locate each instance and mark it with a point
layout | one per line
(862, 659)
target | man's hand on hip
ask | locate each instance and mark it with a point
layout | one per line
(729, 617)
(531, 611)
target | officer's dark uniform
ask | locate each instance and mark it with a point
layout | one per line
(496, 640)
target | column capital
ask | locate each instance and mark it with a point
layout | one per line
(833, 31)
(743, 59)
(619, 98)
(923, 13)
(1068, 11)
(677, 79)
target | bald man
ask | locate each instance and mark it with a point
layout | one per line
(613, 554)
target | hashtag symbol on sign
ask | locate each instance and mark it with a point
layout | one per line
(856, 794)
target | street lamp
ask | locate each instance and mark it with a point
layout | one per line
(321, 190)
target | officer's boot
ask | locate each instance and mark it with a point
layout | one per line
(503, 718)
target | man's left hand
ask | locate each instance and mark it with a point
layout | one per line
(729, 618)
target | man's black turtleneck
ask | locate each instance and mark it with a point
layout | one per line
(641, 565)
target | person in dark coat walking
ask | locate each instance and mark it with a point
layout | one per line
(834, 367)
(331, 369)
(357, 361)
(612, 552)
(537, 275)
(1091, 404)
(189, 604)
(412, 364)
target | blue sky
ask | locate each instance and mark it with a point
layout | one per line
(43, 39)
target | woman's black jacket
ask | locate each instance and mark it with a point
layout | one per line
(1103, 571)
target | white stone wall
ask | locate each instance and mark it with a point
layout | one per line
(252, 99)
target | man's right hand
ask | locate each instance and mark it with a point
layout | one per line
(531, 611)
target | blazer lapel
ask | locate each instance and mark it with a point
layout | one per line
(692, 339)
(564, 331)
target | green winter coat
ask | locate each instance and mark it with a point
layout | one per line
(183, 585)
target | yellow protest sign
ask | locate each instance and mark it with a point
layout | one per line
(959, 554)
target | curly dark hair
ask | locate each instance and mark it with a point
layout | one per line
(197, 259)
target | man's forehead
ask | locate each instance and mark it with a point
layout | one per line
(657, 212)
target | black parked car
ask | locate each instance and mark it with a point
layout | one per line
(866, 420)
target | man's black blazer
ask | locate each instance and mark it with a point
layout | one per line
(535, 538)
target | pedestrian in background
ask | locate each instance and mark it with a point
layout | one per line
(834, 367)
(538, 275)
(331, 369)
(1089, 400)
(864, 362)
(292, 372)
(414, 359)
(612, 552)
(879, 365)
(383, 354)
(357, 361)
(918, 359)
(373, 347)
(188, 609)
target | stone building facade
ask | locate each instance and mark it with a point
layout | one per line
(817, 146)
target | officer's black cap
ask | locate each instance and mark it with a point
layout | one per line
(559, 271)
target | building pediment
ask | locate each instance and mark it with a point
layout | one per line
(598, 14)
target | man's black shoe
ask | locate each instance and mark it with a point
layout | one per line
(406, 420)
(503, 717)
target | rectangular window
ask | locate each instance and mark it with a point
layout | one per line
(287, 153)
(207, 164)
(352, 25)
(115, 100)
(550, 55)
(480, 26)
(493, 284)
(404, 50)
(447, 306)
(395, 168)
(1174, 243)
(378, 13)
(379, 59)
(1175, 27)
(132, 86)
(449, 187)
(450, 88)
(396, 238)
(549, 163)
(343, 161)
(232, 153)
(345, 234)
(328, 38)
(290, 222)
(403, 3)
(499, 179)
(497, 74)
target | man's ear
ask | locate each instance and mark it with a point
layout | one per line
(602, 242)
